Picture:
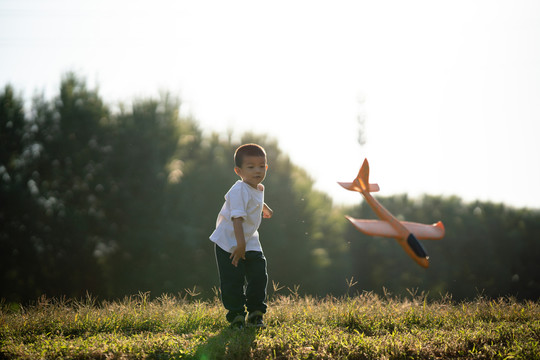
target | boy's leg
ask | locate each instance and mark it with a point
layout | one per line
(257, 279)
(232, 284)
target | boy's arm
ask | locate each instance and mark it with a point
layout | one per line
(267, 212)
(239, 251)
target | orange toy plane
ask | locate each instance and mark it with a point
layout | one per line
(406, 233)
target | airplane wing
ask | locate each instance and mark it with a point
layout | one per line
(352, 187)
(384, 229)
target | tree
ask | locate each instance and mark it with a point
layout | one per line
(487, 250)
(117, 203)
(143, 142)
(68, 174)
(18, 254)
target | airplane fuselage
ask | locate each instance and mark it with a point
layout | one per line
(406, 239)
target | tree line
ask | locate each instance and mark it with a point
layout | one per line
(112, 203)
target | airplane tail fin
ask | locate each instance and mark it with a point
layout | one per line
(361, 183)
(362, 179)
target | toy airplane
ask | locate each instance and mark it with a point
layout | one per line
(406, 233)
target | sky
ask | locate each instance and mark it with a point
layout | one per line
(448, 91)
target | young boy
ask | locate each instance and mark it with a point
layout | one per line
(239, 253)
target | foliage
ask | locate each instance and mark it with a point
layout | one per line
(487, 250)
(17, 204)
(113, 203)
(365, 326)
(116, 202)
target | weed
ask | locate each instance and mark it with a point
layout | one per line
(364, 326)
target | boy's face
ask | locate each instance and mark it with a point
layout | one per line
(253, 170)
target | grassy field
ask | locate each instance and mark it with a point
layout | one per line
(365, 326)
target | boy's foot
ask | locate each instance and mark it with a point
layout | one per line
(255, 319)
(238, 323)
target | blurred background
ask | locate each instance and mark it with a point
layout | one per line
(118, 122)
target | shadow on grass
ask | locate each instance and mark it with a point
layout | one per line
(228, 344)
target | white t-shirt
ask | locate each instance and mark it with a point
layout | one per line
(240, 201)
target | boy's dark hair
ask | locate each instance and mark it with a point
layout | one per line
(247, 150)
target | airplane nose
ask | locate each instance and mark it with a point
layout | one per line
(416, 246)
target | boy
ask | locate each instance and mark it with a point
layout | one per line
(239, 253)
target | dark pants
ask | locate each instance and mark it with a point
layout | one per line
(243, 286)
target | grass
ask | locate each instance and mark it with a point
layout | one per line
(365, 326)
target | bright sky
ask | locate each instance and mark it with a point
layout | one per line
(449, 90)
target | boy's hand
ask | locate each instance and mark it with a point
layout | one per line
(267, 212)
(238, 253)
